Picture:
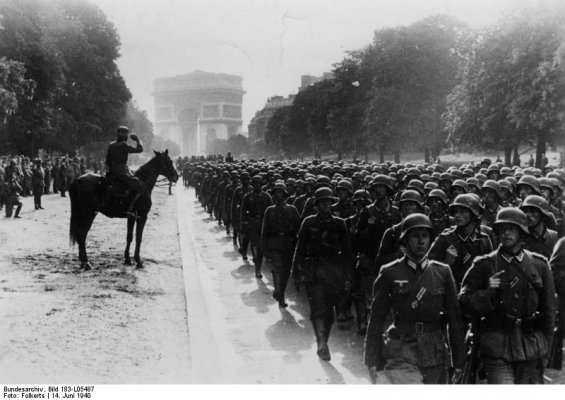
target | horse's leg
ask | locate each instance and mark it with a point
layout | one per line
(131, 223)
(85, 224)
(138, 237)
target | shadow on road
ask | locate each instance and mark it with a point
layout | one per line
(288, 336)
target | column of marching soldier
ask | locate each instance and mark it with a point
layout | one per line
(454, 275)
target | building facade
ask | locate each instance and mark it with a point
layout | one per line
(196, 109)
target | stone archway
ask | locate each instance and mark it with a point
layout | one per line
(188, 121)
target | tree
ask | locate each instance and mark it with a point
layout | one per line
(413, 69)
(238, 144)
(68, 49)
(511, 85)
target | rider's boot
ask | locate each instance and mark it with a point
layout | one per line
(130, 212)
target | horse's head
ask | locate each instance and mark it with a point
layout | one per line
(166, 166)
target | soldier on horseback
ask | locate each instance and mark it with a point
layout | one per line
(116, 160)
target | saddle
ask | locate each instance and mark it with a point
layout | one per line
(115, 195)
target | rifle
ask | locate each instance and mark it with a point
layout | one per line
(472, 343)
(556, 349)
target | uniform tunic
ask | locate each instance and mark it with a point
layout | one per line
(323, 256)
(421, 303)
(519, 317)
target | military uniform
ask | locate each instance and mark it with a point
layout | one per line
(422, 297)
(238, 194)
(468, 248)
(278, 237)
(517, 319)
(368, 237)
(343, 209)
(253, 208)
(543, 244)
(323, 258)
(38, 184)
(489, 215)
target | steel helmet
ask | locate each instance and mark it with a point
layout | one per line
(445, 176)
(469, 201)
(439, 194)
(323, 180)
(279, 185)
(431, 186)
(412, 195)
(461, 184)
(493, 168)
(414, 221)
(537, 202)
(531, 181)
(474, 182)
(545, 183)
(291, 182)
(491, 185)
(257, 179)
(505, 171)
(382, 180)
(504, 184)
(324, 193)
(456, 174)
(417, 185)
(512, 215)
(361, 195)
(345, 184)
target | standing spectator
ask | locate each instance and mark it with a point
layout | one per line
(26, 181)
(38, 183)
(63, 177)
(47, 177)
(55, 175)
(13, 188)
(531, 161)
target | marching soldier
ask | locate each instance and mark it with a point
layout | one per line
(374, 220)
(540, 240)
(391, 249)
(438, 204)
(323, 260)
(253, 208)
(240, 191)
(491, 198)
(512, 291)
(422, 295)
(278, 237)
(458, 246)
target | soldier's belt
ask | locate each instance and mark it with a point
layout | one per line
(417, 327)
(509, 322)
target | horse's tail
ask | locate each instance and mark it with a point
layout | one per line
(75, 211)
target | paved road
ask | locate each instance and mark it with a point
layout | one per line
(238, 332)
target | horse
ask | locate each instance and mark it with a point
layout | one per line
(92, 193)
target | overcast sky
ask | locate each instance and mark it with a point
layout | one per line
(270, 43)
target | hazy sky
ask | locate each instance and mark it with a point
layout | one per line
(270, 43)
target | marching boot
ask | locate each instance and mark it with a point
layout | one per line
(361, 311)
(328, 322)
(321, 339)
(278, 294)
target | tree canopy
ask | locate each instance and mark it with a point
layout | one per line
(65, 50)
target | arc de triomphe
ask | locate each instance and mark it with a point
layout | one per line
(196, 108)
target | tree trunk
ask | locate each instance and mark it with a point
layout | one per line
(338, 156)
(397, 156)
(515, 156)
(540, 149)
(366, 154)
(507, 155)
(426, 155)
(381, 154)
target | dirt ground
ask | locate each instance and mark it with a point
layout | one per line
(113, 324)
